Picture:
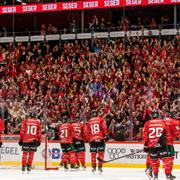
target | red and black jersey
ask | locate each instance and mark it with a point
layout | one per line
(174, 130)
(96, 129)
(1, 128)
(30, 130)
(153, 130)
(65, 132)
(78, 131)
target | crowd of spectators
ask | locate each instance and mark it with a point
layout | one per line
(123, 79)
(96, 24)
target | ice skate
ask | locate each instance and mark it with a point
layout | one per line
(28, 169)
(155, 177)
(172, 176)
(93, 170)
(149, 173)
(74, 167)
(100, 170)
(23, 169)
(169, 177)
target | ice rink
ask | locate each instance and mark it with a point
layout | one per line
(108, 174)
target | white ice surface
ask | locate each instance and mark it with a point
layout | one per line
(108, 174)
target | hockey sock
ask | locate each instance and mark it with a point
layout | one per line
(65, 159)
(82, 157)
(101, 156)
(77, 158)
(167, 165)
(148, 161)
(30, 158)
(24, 158)
(155, 165)
(72, 158)
(62, 159)
(171, 162)
(93, 159)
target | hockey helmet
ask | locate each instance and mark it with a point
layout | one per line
(32, 114)
(94, 113)
(155, 114)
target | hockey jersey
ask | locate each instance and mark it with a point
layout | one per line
(78, 131)
(96, 129)
(65, 132)
(30, 130)
(153, 130)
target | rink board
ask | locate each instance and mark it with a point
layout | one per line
(10, 155)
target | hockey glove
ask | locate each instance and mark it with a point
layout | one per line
(0, 144)
(20, 142)
(38, 143)
(146, 149)
(106, 138)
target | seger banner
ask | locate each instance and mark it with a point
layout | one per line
(81, 5)
(10, 155)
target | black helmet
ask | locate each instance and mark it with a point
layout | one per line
(32, 114)
(65, 117)
(77, 117)
(94, 113)
(155, 114)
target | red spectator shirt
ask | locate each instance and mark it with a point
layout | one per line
(30, 130)
(152, 131)
(174, 129)
(65, 132)
(78, 131)
(96, 129)
(1, 128)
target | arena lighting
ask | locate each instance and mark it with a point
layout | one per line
(20, 1)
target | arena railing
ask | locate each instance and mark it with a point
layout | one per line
(69, 34)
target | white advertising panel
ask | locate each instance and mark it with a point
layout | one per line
(10, 154)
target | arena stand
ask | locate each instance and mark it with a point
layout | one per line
(78, 76)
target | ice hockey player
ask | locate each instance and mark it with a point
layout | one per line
(96, 133)
(65, 132)
(78, 141)
(155, 135)
(30, 139)
(1, 129)
(174, 132)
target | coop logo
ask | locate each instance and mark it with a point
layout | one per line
(53, 153)
(115, 152)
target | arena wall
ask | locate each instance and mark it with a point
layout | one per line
(10, 155)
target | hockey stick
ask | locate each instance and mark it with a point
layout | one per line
(131, 154)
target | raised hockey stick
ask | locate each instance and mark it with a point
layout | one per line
(131, 154)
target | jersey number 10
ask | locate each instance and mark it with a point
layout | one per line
(31, 130)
